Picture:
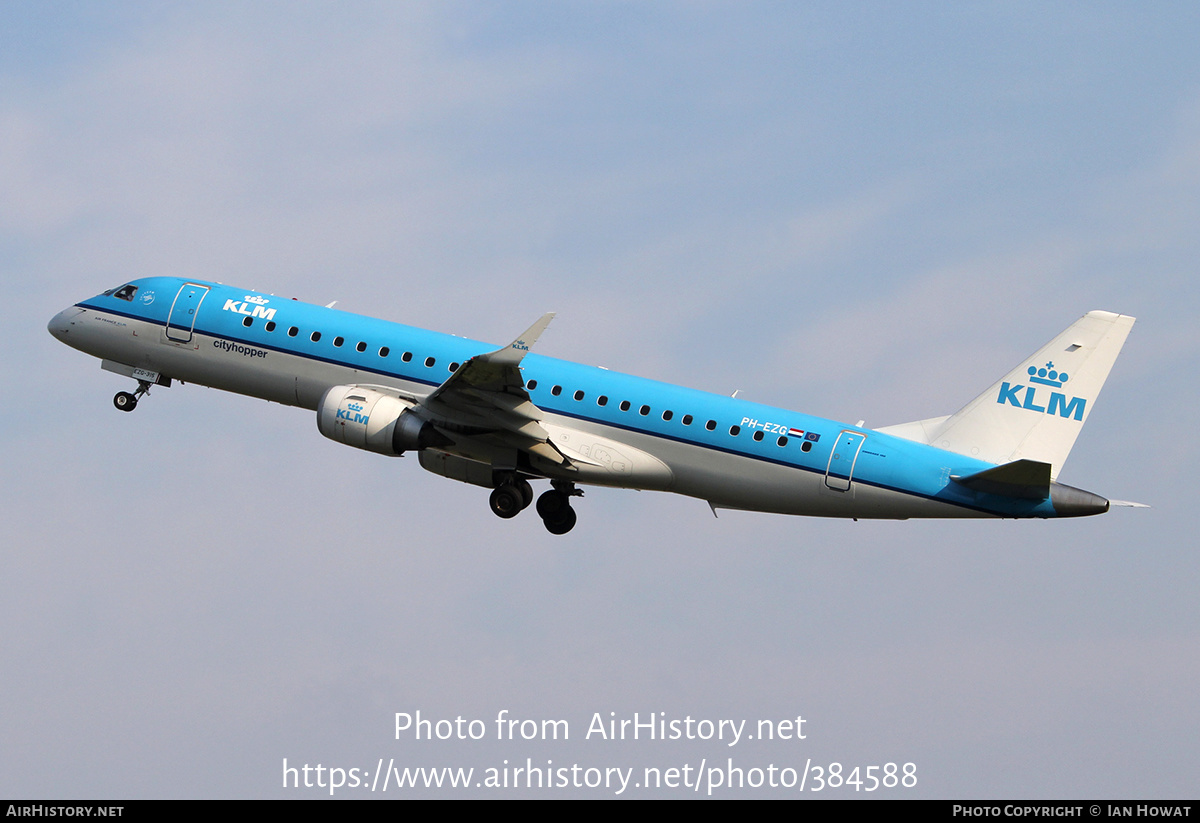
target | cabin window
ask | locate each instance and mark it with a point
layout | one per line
(806, 446)
(338, 341)
(125, 293)
(602, 400)
(783, 441)
(383, 351)
(711, 425)
(406, 357)
(686, 420)
(453, 368)
(644, 410)
(531, 385)
(578, 395)
(315, 336)
(293, 331)
(247, 321)
(270, 325)
(624, 405)
(758, 436)
(556, 391)
(361, 346)
(667, 415)
(429, 361)
(734, 431)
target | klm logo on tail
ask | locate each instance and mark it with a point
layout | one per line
(1057, 403)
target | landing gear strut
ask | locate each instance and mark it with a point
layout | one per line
(127, 402)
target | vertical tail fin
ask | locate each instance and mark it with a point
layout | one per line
(1035, 411)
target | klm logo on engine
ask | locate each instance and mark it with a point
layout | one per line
(252, 306)
(1028, 397)
(353, 413)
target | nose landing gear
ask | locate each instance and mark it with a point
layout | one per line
(126, 401)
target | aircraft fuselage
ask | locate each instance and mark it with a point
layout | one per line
(602, 427)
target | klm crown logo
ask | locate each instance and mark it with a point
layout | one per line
(355, 407)
(1026, 397)
(1047, 376)
(254, 298)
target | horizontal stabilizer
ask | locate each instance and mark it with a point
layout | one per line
(1026, 479)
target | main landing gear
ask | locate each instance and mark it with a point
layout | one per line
(513, 496)
(554, 507)
(126, 401)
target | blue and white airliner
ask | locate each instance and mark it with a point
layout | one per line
(503, 417)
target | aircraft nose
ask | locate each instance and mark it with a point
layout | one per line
(60, 324)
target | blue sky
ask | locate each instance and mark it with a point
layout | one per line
(864, 212)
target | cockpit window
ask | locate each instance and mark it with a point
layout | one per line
(125, 293)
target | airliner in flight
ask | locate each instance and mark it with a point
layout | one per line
(503, 417)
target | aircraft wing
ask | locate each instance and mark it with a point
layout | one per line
(488, 393)
(484, 377)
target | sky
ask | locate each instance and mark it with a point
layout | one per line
(861, 211)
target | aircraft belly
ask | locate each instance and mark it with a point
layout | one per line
(600, 459)
(234, 367)
(738, 482)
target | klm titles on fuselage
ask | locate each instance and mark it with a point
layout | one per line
(1057, 402)
(252, 306)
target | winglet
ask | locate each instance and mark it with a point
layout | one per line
(515, 352)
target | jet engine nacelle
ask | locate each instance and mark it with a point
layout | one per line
(371, 420)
